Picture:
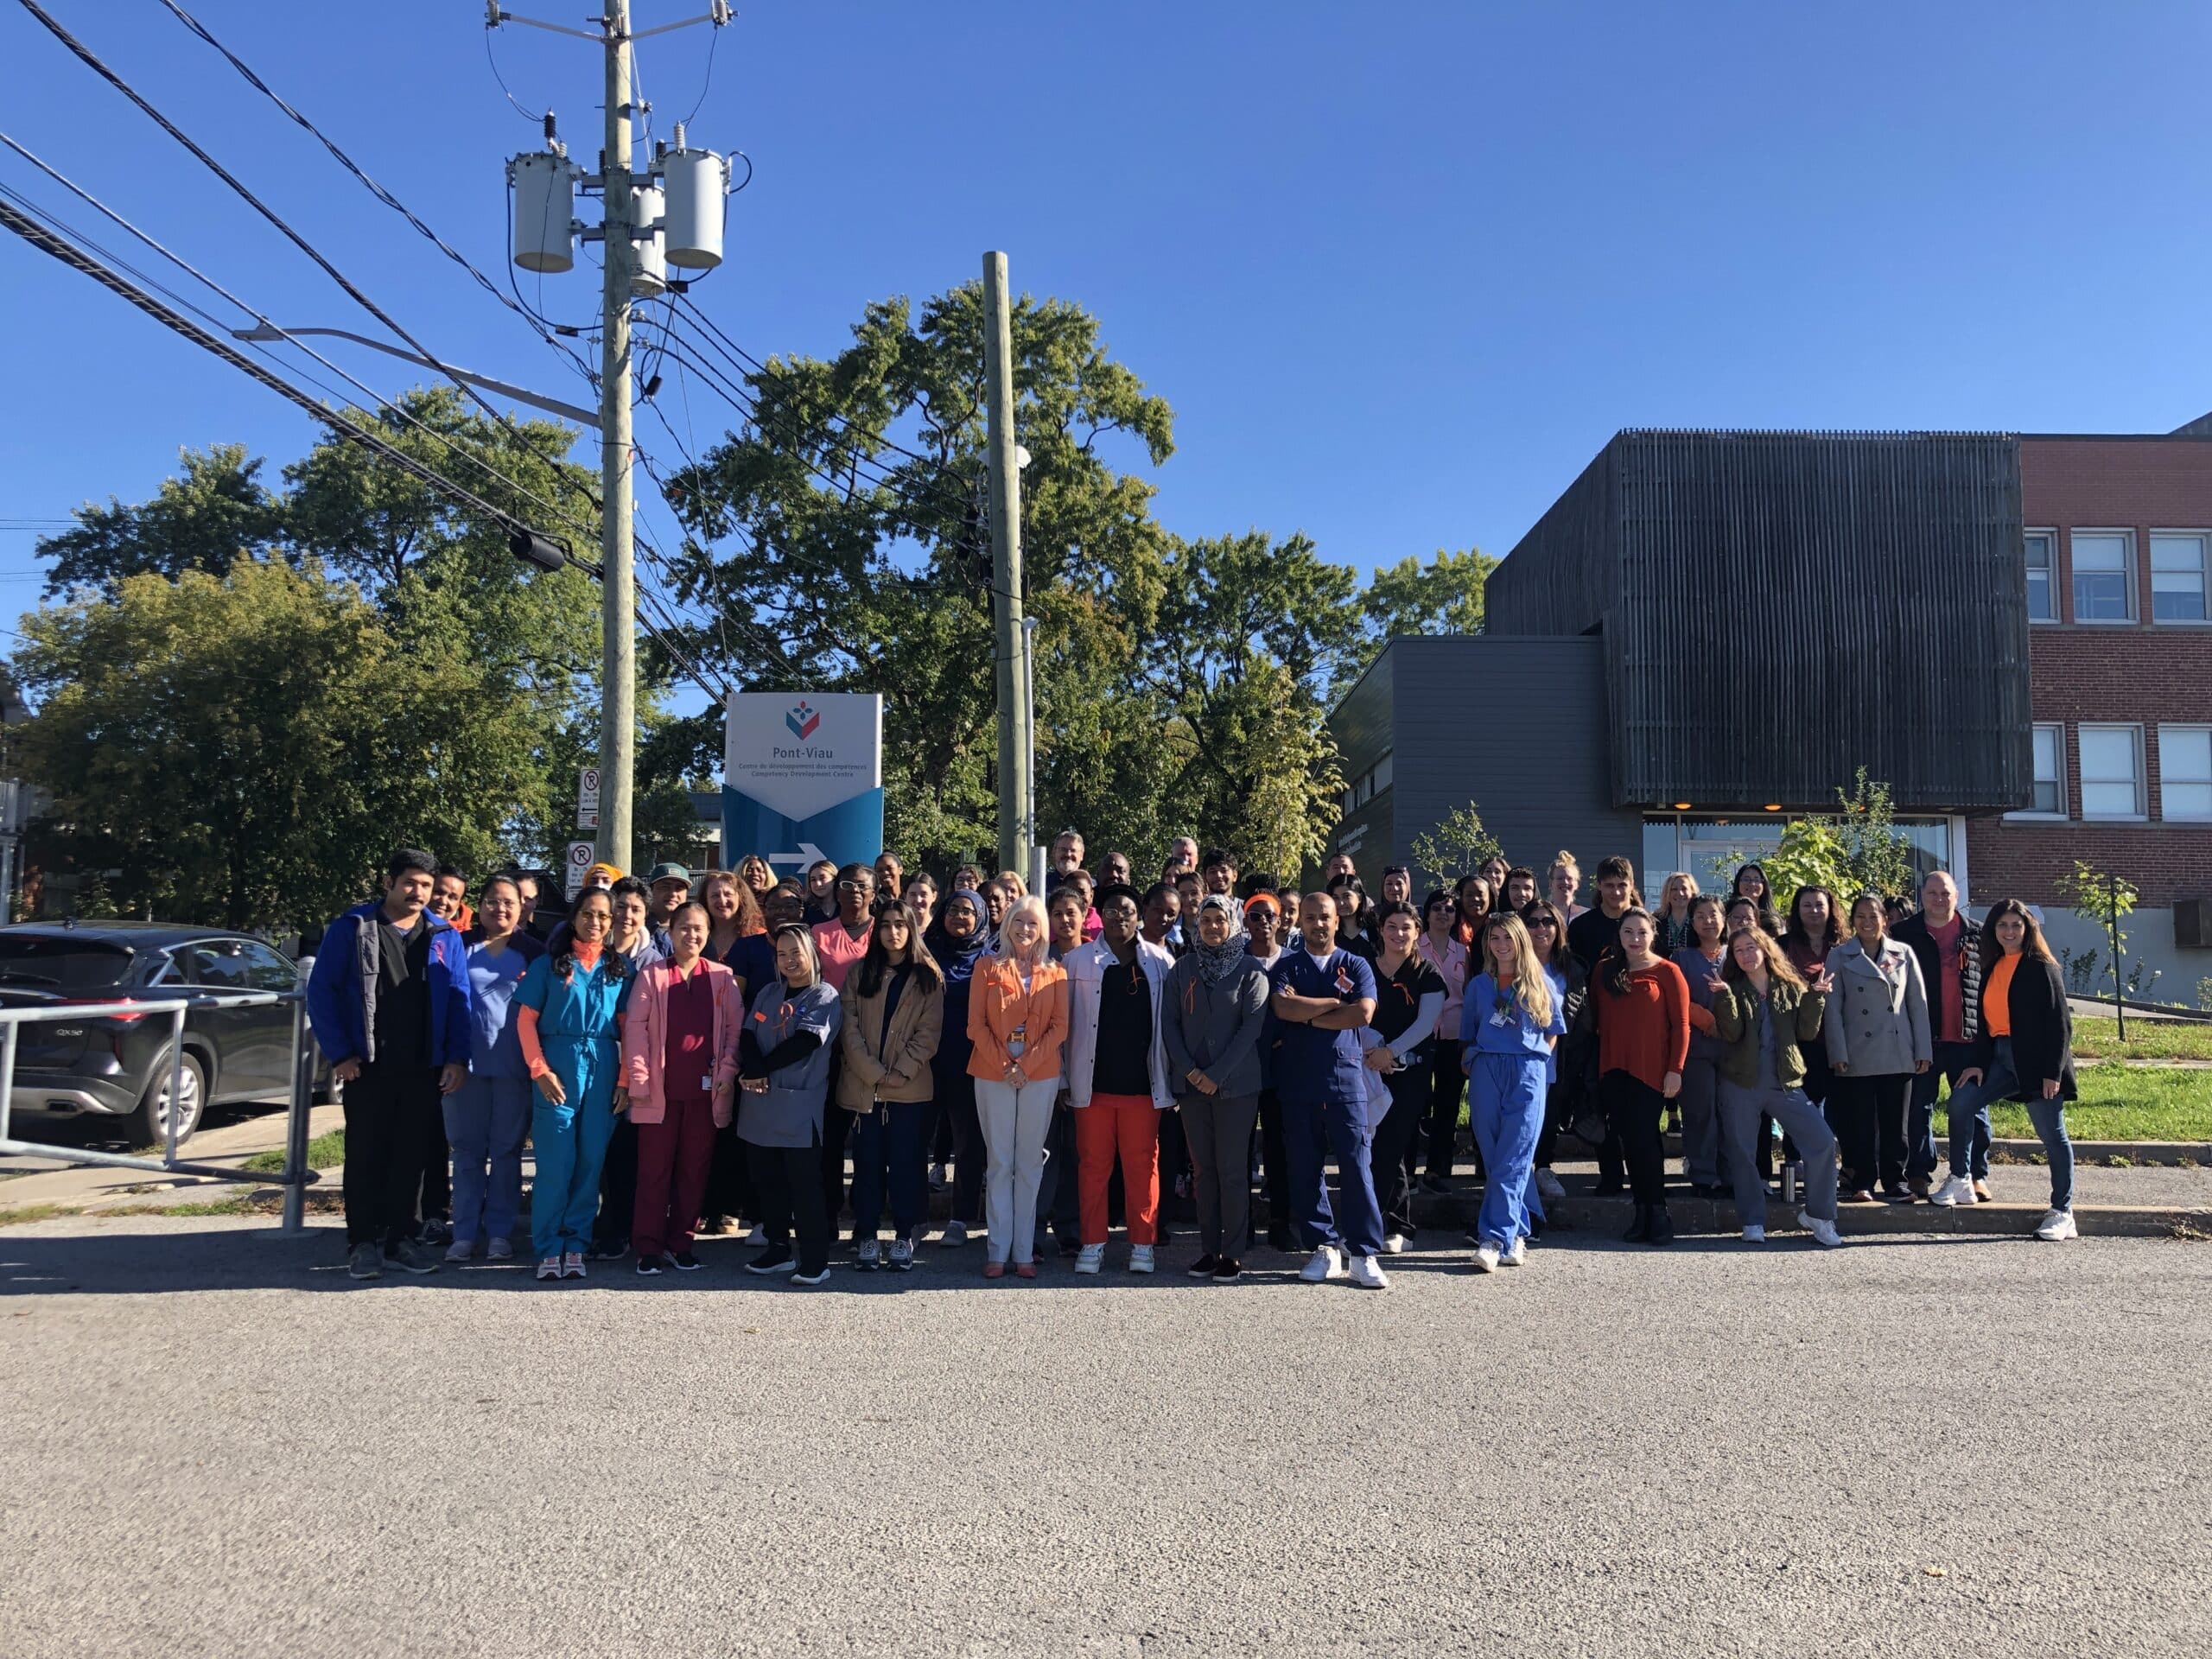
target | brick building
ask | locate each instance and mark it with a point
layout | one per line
(2117, 537)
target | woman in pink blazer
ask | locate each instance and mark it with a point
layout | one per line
(679, 1059)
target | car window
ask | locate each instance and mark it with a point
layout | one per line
(217, 964)
(74, 967)
(267, 969)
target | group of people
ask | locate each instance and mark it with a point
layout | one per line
(683, 1056)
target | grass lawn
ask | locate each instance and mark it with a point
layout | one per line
(2119, 1103)
(324, 1151)
(2147, 1039)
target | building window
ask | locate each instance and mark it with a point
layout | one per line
(2050, 747)
(2112, 771)
(2043, 594)
(2185, 773)
(2104, 579)
(2177, 578)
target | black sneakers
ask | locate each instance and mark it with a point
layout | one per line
(777, 1258)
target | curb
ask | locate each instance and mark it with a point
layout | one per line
(1608, 1217)
(2180, 1152)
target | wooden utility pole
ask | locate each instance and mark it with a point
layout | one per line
(1017, 830)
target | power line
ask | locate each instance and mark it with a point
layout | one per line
(50, 243)
(92, 60)
(341, 157)
(491, 58)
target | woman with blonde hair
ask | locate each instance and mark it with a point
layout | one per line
(1562, 882)
(1513, 1016)
(757, 875)
(1018, 1019)
(1674, 914)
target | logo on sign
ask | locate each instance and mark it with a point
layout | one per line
(803, 721)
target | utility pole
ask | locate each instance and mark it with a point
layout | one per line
(1017, 833)
(618, 713)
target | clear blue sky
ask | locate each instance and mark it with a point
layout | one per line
(1400, 270)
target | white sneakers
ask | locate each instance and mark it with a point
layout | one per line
(1140, 1258)
(1548, 1186)
(1486, 1258)
(1327, 1263)
(1956, 1191)
(1090, 1258)
(1824, 1233)
(2058, 1224)
(1515, 1255)
(1367, 1274)
(1754, 1234)
(1394, 1245)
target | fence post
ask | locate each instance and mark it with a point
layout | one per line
(296, 1126)
(2119, 980)
(176, 1082)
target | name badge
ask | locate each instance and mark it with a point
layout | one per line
(707, 1086)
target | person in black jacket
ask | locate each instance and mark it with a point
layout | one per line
(2023, 1050)
(1950, 967)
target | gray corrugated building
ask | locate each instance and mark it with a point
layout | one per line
(1707, 631)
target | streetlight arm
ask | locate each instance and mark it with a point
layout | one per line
(552, 405)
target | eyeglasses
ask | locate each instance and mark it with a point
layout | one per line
(856, 887)
(1545, 926)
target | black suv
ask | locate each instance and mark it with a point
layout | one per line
(118, 1065)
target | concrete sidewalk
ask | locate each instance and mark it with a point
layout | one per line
(89, 1187)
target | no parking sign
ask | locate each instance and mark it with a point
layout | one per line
(579, 861)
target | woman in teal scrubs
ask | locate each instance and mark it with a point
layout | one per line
(568, 1013)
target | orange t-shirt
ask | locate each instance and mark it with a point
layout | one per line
(1997, 997)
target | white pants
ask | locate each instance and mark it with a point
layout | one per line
(1014, 1125)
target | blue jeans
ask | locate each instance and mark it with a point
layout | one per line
(571, 1143)
(1508, 1113)
(1970, 1122)
(1951, 1058)
(894, 1137)
(485, 1120)
(1312, 1131)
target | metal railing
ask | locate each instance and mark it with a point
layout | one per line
(295, 1176)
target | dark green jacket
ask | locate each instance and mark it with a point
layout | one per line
(1797, 1021)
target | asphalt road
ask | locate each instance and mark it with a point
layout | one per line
(211, 1443)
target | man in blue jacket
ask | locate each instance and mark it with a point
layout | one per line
(389, 1002)
(1323, 994)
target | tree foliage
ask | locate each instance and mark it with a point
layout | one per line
(1855, 850)
(216, 513)
(1442, 596)
(245, 749)
(1180, 683)
(1454, 845)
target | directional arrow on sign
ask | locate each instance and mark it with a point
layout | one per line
(808, 854)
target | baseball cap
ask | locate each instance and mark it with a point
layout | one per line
(668, 873)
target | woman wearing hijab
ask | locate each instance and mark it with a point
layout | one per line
(957, 946)
(1212, 1013)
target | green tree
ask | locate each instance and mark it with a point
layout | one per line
(1876, 857)
(1179, 684)
(1442, 596)
(1455, 844)
(248, 748)
(215, 513)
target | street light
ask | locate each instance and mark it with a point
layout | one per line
(551, 405)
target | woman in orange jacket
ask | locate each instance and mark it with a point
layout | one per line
(1017, 1019)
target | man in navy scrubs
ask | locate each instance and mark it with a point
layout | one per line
(1322, 995)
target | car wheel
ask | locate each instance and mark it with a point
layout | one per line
(150, 1125)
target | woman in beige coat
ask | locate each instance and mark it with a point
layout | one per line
(894, 1014)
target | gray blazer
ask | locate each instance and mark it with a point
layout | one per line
(1876, 1022)
(790, 1113)
(1214, 1028)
